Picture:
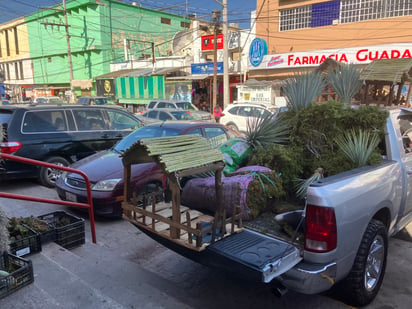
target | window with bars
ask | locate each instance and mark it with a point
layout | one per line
(166, 21)
(16, 71)
(184, 25)
(295, 18)
(16, 40)
(7, 43)
(360, 10)
(21, 70)
(342, 11)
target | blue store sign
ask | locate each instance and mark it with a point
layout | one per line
(258, 48)
(206, 68)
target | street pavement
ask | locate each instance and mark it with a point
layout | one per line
(127, 269)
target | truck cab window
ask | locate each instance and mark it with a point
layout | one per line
(405, 126)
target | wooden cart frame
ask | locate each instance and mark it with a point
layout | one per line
(178, 157)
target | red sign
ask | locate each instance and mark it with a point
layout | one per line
(208, 44)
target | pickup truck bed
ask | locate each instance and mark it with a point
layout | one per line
(262, 249)
(253, 255)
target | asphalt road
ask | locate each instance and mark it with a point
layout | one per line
(193, 285)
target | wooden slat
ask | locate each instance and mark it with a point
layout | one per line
(164, 226)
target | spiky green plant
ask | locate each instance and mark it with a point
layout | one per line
(303, 184)
(358, 146)
(302, 89)
(263, 131)
(345, 81)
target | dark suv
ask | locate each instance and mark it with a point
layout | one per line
(59, 134)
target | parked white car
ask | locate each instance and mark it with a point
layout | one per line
(48, 100)
(165, 114)
(200, 115)
(236, 116)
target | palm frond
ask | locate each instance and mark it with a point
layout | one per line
(345, 81)
(263, 131)
(302, 89)
(358, 146)
(303, 184)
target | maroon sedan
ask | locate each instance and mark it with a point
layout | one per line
(105, 169)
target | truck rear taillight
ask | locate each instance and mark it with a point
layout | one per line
(320, 232)
(9, 147)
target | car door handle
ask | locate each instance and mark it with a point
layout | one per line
(105, 135)
(119, 135)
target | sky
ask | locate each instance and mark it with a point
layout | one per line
(238, 10)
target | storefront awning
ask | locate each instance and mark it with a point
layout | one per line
(140, 72)
(390, 70)
(82, 83)
(190, 77)
(114, 74)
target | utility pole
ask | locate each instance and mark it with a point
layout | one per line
(69, 53)
(226, 87)
(215, 16)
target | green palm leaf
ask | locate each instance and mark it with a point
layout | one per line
(358, 146)
(345, 81)
(302, 89)
(263, 131)
(303, 184)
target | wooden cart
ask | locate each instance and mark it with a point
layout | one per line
(178, 156)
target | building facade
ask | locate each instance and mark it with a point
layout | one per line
(15, 62)
(35, 49)
(299, 35)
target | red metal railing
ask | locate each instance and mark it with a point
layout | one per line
(88, 205)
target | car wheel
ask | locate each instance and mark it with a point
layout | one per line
(148, 192)
(365, 279)
(47, 175)
(232, 126)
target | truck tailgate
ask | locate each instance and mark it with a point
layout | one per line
(268, 256)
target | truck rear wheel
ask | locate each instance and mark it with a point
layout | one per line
(365, 279)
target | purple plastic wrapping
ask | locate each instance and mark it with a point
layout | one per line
(199, 193)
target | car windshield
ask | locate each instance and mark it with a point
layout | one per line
(56, 101)
(182, 115)
(100, 101)
(144, 132)
(186, 105)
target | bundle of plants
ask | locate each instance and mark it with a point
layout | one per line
(316, 140)
(19, 228)
(252, 188)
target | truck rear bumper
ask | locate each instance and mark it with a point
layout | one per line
(309, 278)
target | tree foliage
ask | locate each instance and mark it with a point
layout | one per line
(312, 141)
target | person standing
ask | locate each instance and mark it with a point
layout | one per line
(217, 112)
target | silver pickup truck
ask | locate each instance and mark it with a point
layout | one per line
(341, 236)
